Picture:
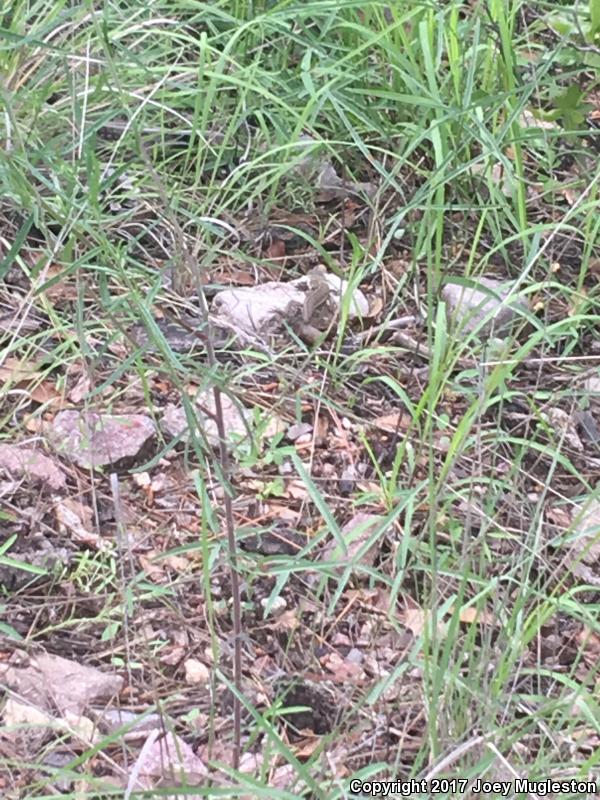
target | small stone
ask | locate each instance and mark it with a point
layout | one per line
(347, 479)
(196, 672)
(297, 430)
(277, 606)
(286, 468)
(142, 479)
(444, 443)
(355, 656)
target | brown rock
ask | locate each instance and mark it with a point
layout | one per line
(25, 462)
(89, 439)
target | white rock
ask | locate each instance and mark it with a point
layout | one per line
(468, 307)
(278, 605)
(254, 309)
(196, 672)
(359, 307)
(174, 420)
(297, 430)
(355, 656)
(592, 386)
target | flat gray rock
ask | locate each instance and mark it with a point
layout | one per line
(174, 420)
(52, 683)
(483, 310)
(89, 439)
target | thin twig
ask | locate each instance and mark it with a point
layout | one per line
(392, 324)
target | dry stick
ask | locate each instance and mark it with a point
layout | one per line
(191, 269)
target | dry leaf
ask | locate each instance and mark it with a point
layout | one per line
(152, 569)
(594, 267)
(307, 746)
(417, 620)
(391, 423)
(471, 614)
(589, 643)
(76, 518)
(173, 655)
(275, 250)
(355, 535)
(15, 370)
(21, 375)
(176, 563)
(296, 490)
(559, 517)
(287, 621)
(587, 544)
(343, 671)
(376, 306)
(414, 619)
(378, 598)
(64, 288)
(46, 395)
(81, 388)
(570, 195)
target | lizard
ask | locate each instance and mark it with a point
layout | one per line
(311, 319)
